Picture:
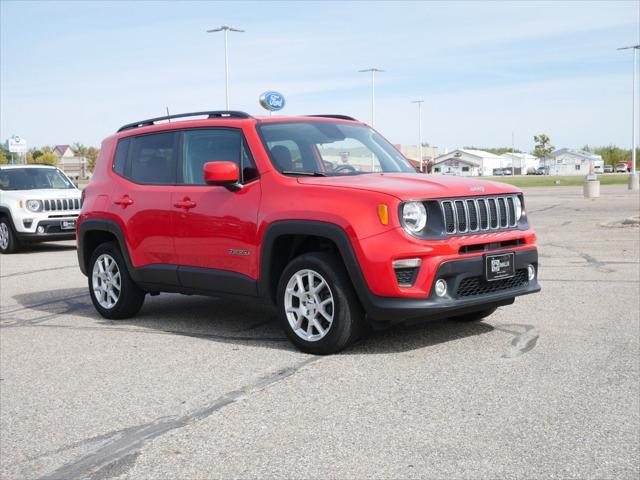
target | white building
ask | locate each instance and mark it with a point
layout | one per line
(468, 162)
(74, 167)
(522, 163)
(568, 161)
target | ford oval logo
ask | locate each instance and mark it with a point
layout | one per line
(272, 101)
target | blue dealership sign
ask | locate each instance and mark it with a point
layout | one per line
(272, 101)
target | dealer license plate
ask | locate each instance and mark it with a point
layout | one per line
(500, 266)
(68, 224)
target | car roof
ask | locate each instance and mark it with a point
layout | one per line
(30, 165)
(223, 118)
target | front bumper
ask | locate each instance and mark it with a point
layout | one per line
(52, 231)
(397, 310)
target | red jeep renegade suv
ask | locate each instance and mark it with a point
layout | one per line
(320, 214)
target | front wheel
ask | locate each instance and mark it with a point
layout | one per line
(113, 292)
(8, 241)
(317, 306)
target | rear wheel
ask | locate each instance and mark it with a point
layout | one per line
(474, 316)
(113, 292)
(317, 306)
(8, 240)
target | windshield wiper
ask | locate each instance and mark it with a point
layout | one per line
(302, 172)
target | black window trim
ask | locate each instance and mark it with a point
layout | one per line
(127, 168)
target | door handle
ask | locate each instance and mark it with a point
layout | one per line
(187, 203)
(125, 201)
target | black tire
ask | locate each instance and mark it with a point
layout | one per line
(13, 245)
(131, 296)
(348, 317)
(474, 316)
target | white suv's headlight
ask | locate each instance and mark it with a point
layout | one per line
(34, 205)
(413, 217)
(518, 204)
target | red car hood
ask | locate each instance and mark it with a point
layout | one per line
(414, 186)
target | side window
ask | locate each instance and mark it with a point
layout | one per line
(214, 145)
(153, 159)
(286, 155)
(120, 157)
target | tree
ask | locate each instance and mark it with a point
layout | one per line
(48, 158)
(92, 157)
(543, 147)
(79, 149)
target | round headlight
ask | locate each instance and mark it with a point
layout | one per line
(414, 217)
(518, 204)
(34, 205)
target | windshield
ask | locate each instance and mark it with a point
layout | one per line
(330, 148)
(32, 179)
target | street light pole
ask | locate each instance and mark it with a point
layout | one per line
(420, 102)
(373, 91)
(633, 178)
(226, 29)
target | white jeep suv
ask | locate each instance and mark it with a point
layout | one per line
(38, 203)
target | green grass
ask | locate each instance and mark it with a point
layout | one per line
(563, 181)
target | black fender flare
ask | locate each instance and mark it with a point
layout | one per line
(7, 212)
(330, 231)
(102, 225)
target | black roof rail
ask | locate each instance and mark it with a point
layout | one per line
(340, 117)
(210, 114)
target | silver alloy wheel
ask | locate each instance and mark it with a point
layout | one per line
(4, 236)
(106, 281)
(309, 306)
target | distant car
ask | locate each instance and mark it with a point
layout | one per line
(507, 171)
(498, 172)
(608, 169)
(38, 203)
(621, 168)
(541, 171)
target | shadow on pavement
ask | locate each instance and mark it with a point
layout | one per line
(231, 320)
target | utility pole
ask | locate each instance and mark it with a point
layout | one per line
(633, 178)
(420, 102)
(226, 29)
(373, 91)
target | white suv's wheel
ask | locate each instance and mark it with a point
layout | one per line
(113, 292)
(8, 240)
(318, 308)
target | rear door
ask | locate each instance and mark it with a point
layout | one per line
(142, 199)
(219, 232)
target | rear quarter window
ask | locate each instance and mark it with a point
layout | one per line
(120, 157)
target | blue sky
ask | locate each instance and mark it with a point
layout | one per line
(74, 71)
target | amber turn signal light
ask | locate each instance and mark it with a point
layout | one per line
(383, 214)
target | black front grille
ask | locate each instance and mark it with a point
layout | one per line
(472, 286)
(473, 215)
(406, 276)
(478, 214)
(462, 219)
(503, 212)
(449, 219)
(493, 211)
(484, 215)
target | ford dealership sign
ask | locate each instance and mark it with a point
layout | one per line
(272, 101)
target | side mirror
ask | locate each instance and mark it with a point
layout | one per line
(224, 174)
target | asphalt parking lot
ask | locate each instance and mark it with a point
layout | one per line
(209, 388)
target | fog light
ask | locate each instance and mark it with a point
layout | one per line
(441, 288)
(531, 271)
(40, 229)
